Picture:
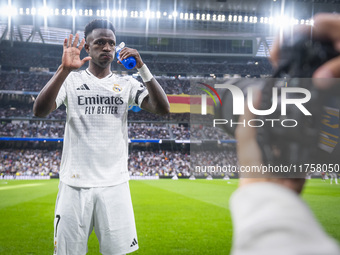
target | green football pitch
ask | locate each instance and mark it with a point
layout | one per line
(172, 216)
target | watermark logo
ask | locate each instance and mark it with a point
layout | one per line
(204, 97)
(239, 99)
(281, 99)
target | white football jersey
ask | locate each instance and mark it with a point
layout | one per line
(95, 149)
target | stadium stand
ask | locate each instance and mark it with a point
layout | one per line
(22, 77)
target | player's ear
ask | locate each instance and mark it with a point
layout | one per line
(87, 47)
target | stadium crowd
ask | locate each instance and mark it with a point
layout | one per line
(37, 162)
(148, 131)
(136, 130)
(34, 81)
(17, 118)
(48, 57)
(29, 162)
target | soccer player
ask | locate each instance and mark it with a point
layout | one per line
(333, 176)
(94, 191)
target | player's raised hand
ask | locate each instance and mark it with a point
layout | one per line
(71, 53)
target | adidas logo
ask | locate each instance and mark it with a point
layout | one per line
(83, 87)
(134, 242)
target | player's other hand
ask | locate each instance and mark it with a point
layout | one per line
(129, 52)
(71, 53)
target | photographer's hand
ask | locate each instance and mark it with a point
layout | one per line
(249, 154)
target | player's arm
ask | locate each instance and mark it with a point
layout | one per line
(45, 102)
(157, 101)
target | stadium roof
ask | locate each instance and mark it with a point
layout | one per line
(301, 7)
(22, 19)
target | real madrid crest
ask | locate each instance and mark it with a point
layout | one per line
(117, 88)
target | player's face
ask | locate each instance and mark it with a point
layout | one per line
(100, 46)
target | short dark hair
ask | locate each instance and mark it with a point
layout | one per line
(98, 23)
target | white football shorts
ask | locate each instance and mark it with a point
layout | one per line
(107, 210)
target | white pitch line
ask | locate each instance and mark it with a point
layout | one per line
(21, 186)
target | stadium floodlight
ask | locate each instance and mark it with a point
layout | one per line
(198, 16)
(191, 17)
(74, 12)
(265, 20)
(235, 18)
(170, 16)
(124, 13)
(44, 11)
(86, 13)
(240, 18)
(302, 21)
(255, 20)
(33, 11)
(186, 16)
(141, 14)
(3, 10)
(108, 13)
(203, 16)
(208, 16)
(261, 20)
(80, 12)
(165, 13)
(271, 20)
(282, 21)
(230, 18)
(158, 14)
(90, 12)
(21, 11)
(68, 12)
(151, 15)
(27, 11)
(174, 14)
(245, 19)
(312, 22)
(147, 14)
(214, 17)
(12, 11)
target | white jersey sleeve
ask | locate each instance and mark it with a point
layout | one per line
(95, 148)
(138, 93)
(271, 219)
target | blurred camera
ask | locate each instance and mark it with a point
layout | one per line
(296, 123)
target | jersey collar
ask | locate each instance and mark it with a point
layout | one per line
(92, 75)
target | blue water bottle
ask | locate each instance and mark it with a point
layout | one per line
(129, 62)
